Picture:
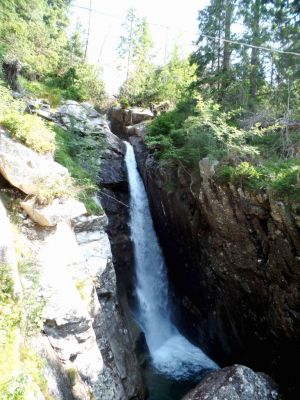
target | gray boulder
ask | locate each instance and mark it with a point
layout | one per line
(235, 383)
(28, 170)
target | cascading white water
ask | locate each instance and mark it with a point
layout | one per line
(171, 353)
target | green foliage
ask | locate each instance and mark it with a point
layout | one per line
(151, 84)
(260, 158)
(52, 64)
(20, 318)
(207, 133)
(81, 82)
(33, 32)
(124, 103)
(29, 129)
(43, 90)
(81, 156)
(279, 177)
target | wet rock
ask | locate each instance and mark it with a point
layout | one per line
(234, 383)
(139, 130)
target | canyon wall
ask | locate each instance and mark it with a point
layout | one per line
(233, 257)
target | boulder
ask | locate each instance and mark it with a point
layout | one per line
(137, 130)
(58, 210)
(80, 116)
(121, 118)
(234, 383)
(28, 170)
(89, 223)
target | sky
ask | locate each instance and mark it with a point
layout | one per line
(169, 21)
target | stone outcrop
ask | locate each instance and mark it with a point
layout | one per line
(122, 118)
(234, 383)
(28, 170)
(51, 214)
(80, 116)
(92, 352)
(233, 259)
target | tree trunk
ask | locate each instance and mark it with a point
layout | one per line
(227, 48)
(11, 71)
(254, 70)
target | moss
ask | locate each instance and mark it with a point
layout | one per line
(84, 181)
(73, 376)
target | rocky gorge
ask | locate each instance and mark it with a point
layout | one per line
(233, 261)
(90, 343)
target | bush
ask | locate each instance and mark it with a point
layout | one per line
(205, 133)
(278, 177)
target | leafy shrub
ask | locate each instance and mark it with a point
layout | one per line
(278, 177)
(124, 103)
(80, 82)
(206, 132)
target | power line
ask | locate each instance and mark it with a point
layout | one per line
(269, 49)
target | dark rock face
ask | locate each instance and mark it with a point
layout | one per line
(234, 383)
(115, 201)
(234, 259)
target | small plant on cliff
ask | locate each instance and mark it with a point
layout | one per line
(72, 375)
(124, 103)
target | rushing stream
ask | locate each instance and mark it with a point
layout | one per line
(172, 355)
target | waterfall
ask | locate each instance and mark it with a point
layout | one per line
(171, 353)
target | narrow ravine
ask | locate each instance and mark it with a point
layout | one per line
(172, 355)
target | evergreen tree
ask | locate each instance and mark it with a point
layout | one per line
(213, 55)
